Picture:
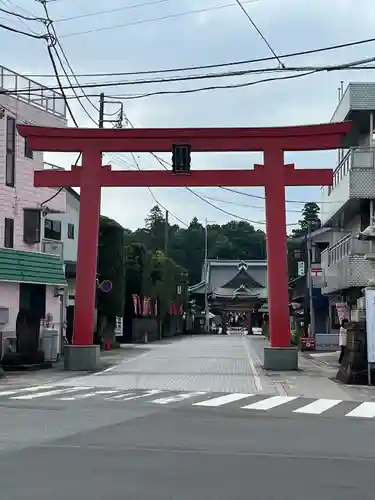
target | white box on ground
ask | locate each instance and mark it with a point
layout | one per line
(50, 344)
(327, 341)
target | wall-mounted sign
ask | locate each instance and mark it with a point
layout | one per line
(301, 268)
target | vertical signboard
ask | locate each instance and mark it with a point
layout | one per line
(342, 311)
(370, 324)
(301, 268)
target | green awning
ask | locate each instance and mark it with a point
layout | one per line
(31, 267)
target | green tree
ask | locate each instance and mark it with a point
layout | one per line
(155, 227)
(310, 216)
(111, 267)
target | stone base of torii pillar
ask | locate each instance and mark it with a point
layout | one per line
(280, 358)
(82, 357)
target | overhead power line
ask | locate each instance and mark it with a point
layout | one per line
(25, 33)
(21, 16)
(251, 21)
(340, 67)
(218, 65)
(111, 11)
(151, 20)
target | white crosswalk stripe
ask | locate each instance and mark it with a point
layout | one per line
(318, 407)
(177, 397)
(50, 393)
(364, 410)
(153, 392)
(223, 400)
(85, 396)
(26, 389)
(269, 403)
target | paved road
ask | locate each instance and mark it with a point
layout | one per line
(194, 418)
(158, 452)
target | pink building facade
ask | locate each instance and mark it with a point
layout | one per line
(30, 278)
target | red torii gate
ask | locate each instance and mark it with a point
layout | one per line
(274, 175)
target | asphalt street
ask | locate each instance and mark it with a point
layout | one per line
(139, 452)
(195, 418)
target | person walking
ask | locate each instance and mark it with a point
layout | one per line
(343, 339)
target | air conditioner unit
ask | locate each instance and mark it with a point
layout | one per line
(367, 234)
(53, 247)
(357, 315)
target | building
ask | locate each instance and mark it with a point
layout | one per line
(30, 277)
(347, 209)
(61, 238)
(233, 286)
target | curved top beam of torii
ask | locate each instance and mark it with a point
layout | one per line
(295, 138)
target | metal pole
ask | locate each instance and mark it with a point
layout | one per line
(206, 311)
(101, 110)
(166, 233)
(309, 278)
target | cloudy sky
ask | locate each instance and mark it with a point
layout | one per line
(143, 35)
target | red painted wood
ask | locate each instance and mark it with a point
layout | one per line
(197, 178)
(88, 232)
(304, 138)
(277, 268)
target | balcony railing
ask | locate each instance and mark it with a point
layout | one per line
(24, 89)
(347, 246)
(356, 157)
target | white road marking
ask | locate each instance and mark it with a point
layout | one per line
(223, 400)
(364, 410)
(272, 402)
(85, 396)
(148, 393)
(177, 397)
(123, 362)
(120, 396)
(258, 383)
(51, 393)
(25, 389)
(319, 406)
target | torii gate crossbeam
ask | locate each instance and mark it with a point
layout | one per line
(274, 175)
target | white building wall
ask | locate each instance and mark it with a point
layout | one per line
(24, 195)
(71, 216)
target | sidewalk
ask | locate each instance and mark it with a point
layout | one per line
(315, 378)
(58, 374)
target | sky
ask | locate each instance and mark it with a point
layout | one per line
(144, 35)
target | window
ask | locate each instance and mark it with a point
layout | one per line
(31, 226)
(28, 152)
(52, 229)
(9, 233)
(10, 162)
(71, 231)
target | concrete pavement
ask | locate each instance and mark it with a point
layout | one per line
(219, 363)
(215, 363)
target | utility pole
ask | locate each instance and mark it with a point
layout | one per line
(206, 311)
(101, 110)
(309, 280)
(166, 233)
